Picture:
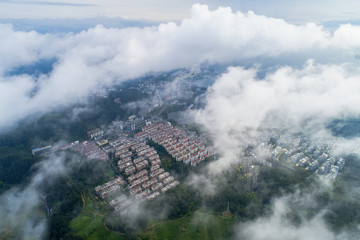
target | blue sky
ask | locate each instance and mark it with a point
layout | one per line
(297, 11)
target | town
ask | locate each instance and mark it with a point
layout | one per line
(142, 177)
(141, 164)
(299, 152)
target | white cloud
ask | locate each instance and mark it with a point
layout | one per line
(21, 48)
(278, 226)
(20, 208)
(299, 215)
(303, 100)
(99, 57)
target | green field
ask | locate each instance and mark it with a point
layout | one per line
(198, 225)
(90, 223)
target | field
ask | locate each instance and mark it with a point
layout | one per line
(90, 223)
(198, 225)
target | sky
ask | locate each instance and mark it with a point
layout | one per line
(297, 11)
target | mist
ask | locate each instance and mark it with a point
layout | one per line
(299, 215)
(240, 107)
(21, 207)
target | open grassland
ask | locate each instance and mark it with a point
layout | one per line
(90, 223)
(198, 225)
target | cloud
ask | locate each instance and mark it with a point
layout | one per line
(297, 100)
(24, 48)
(100, 57)
(278, 224)
(299, 215)
(20, 208)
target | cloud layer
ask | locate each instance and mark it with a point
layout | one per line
(298, 100)
(100, 57)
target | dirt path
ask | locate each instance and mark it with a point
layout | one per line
(82, 196)
(119, 233)
(83, 200)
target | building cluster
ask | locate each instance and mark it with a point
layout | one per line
(43, 151)
(180, 145)
(113, 193)
(95, 134)
(86, 148)
(134, 123)
(120, 204)
(253, 176)
(302, 153)
(176, 87)
(141, 165)
(138, 163)
(109, 189)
